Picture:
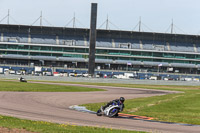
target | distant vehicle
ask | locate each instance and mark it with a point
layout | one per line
(129, 75)
(155, 78)
(36, 74)
(47, 73)
(85, 75)
(56, 74)
(120, 76)
(18, 73)
(188, 79)
(100, 75)
(1, 71)
(182, 79)
(196, 79)
(75, 74)
(71, 74)
(97, 76)
(168, 78)
(124, 76)
(38, 69)
(6, 71)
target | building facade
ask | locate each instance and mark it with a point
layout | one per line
(115, 50)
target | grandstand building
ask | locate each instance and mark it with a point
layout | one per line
(115, 50)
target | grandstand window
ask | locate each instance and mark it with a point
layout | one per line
(68, 49)
(125, 53)
(178, 61)
(35, 54)
(169, 61)
(102, 51)
(26, 47)
(45, 54)
(188, 62)
(169, 55)
(123, 58)
(181, 56)
(197, 56)
(156, 60)
(146, 53)
(46, 48)
(57, 55)
(67, 55)
(72, 55)
(35, 47)
(136, 53)
(109, 57)
(189, 56)
(12, 46)
(146, 59)
(100, 57)
(3, 52)
(56, 49)
(12, 52)
(157, 54)
(3, 46)
(113, 52)
(22, 53)
(80, 50)
(85, 56)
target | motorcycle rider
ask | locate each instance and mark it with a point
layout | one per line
(119, 101)
(21, 79)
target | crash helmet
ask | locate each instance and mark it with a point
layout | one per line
(122, 99)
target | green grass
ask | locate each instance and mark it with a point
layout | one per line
(48, 127)
(36, 87)
(181, 108)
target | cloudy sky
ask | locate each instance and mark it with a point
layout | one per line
(156, 15)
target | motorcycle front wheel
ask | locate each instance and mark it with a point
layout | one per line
(113, 112)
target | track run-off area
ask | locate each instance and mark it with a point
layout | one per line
(54, 107)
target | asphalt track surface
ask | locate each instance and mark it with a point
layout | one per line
(54, 107)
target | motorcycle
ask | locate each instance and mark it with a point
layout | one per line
(110, 111)
(22, 79)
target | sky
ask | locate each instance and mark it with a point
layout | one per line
(156, 15)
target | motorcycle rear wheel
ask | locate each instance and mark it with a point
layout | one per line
(99, 113)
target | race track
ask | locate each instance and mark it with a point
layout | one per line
(54, 107)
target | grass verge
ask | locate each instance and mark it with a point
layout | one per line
(36, 87)
(48, 127)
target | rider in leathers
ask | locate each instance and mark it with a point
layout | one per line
(119, 101)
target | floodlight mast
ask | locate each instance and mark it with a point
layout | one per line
(41, 19)
(172, 27)
(8, 21)
(140, 22)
